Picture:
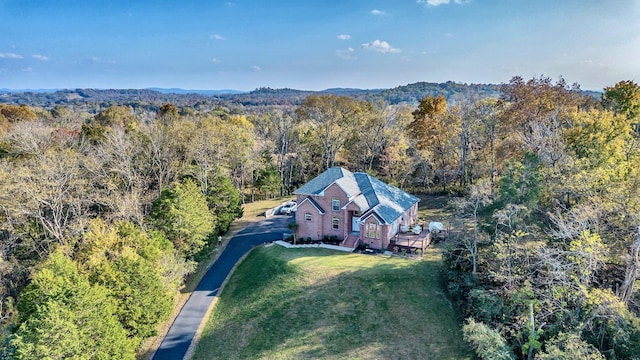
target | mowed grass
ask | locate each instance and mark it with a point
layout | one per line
(434, 208)
(320, 304)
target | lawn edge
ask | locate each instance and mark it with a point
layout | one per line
(196, 338)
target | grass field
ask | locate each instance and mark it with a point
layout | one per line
(316, 303)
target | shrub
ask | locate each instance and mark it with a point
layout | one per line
(487, 343)
(569, 346)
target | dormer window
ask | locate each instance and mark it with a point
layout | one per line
(335, 204)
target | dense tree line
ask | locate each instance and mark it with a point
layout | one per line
(102, 217)
(545, 262)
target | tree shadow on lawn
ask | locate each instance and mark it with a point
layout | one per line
(284, 304)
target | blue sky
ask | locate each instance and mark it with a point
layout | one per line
(314, 45)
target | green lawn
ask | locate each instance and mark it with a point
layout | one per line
(316, 303)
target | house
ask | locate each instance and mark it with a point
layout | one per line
(354, 207)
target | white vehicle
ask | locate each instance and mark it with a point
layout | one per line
(288, 207)
(285, 209)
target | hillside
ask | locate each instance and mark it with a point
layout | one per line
(411, 93)
(315, 303)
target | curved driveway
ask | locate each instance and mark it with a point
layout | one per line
(177, 341)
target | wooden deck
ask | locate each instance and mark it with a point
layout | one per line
(409, 239)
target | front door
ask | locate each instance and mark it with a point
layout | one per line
(355, 223)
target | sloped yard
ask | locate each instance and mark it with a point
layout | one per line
(316, 303)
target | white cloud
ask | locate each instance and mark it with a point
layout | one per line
(10, 56)
(441, 2)
(216, 61)
(377, 12)
(40, 57)
(98, 60)
(27, 69)
(381, 47)
(344, 36)
(217, 37)
(346, 54)
(256, 68)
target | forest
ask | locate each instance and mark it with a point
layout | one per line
(108, 205)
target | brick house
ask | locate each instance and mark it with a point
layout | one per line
(354, 207)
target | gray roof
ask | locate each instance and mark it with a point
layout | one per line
(390, 202)
(344, 178)
(370, 194)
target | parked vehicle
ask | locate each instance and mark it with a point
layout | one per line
(285, 209)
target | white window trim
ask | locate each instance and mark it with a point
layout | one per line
(377, 232)
(335, 219)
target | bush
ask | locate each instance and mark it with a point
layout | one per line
(487, 343)
(569, 346)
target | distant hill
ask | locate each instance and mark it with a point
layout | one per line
(410, 94)
(452, 91)
(5, 90)
(103, 97)
(154, 97)
(200, 92)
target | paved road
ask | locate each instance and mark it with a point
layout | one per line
(177, 341)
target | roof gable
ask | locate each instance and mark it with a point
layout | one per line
(313, 203)
(343, 178)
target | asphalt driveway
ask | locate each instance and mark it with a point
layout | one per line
(177, 341)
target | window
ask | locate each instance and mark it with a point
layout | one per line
(308, 217)
(335, 223)
(372, 230)
(335, 203)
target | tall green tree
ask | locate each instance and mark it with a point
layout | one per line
(623, 98)
(224, 200)
(64, 316)
(183, 215)
(130, 264)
